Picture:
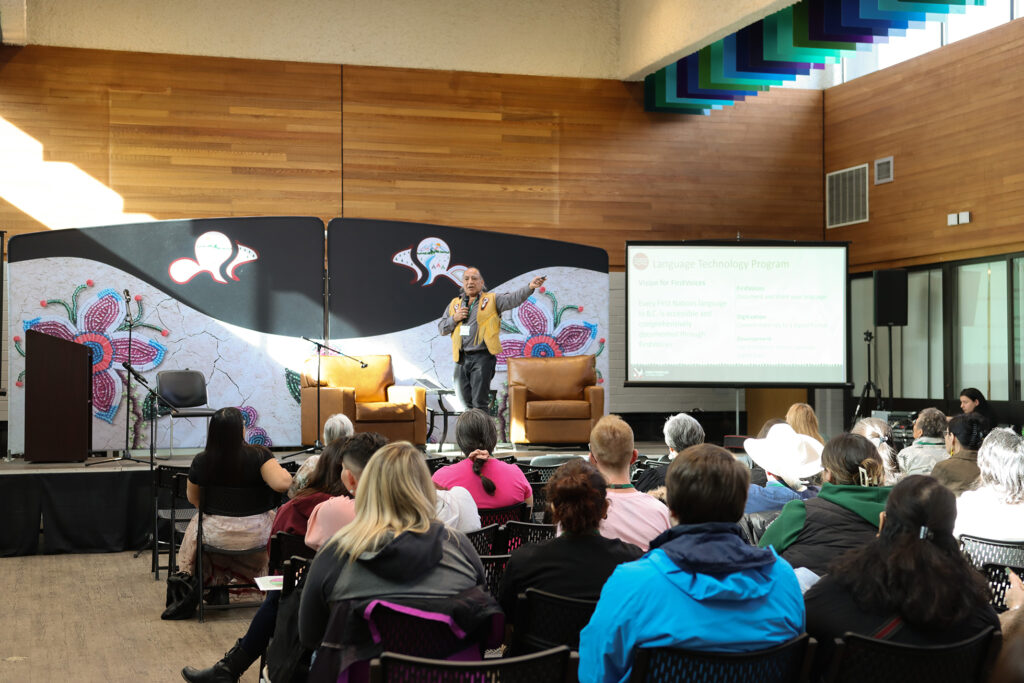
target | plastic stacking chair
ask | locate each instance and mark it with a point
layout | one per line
(230, 502)
(550, 666)
(170, 506)
(494, 569)
(186, 391)
(283, 546)
(483, 539)
(519, 512)
(522, 533)
(545, 620)
(859, 658)
(790, 661)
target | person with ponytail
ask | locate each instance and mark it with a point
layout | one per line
(492, 483)
(577, 563)
(910, 584)
(878, 432)
(844, 516)
(964, 435)
(995, 510)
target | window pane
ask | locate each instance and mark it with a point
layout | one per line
(899, 48)
(977, 18)
(921, 370)
(982, 354)
(1018, 321)
(862, 319)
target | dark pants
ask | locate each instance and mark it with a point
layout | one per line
(261, 628)
(473, 379)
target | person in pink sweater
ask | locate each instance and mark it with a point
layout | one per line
(492, 483)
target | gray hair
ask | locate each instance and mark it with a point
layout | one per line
(879, 433)
(931, 422)
(1001, 461)
(336, 427)
(682, 431)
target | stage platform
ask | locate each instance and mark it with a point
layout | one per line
(79, 507)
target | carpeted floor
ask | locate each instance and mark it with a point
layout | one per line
(96, 618)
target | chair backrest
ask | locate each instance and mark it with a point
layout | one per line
(292, 571)
(370, 383)
(543, 472)
(519, 512)
(753, 524)
(541, 511)
(230, 501)
(284, 545)
(494, 569)
(405, 630)
(551, 666)
(522, 533)
(544, 620)
(511, 459)
(982, 551)
(859, 658)
(182, 388)
(553, 379)
(483, 539)
(789, 661)
(999, 582)
(436, 463)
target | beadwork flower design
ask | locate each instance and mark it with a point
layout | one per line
(101, 324)
(253, 434)
(535, 330)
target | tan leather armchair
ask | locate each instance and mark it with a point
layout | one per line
(554, 400)
(368, 396)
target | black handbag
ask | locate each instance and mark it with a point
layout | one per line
(182, 596)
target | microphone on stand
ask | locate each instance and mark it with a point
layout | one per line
(135, 373)
(127, 296)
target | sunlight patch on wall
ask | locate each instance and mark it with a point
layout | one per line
(57, 194)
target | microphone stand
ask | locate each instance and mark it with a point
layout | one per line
(318, 445)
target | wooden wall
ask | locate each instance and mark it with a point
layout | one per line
(571, 159)
(952, 121)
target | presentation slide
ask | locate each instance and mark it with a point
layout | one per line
(736, 314)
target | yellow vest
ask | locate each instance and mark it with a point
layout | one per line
(488, 324)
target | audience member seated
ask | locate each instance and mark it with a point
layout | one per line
(292, 517)
(973, 401)
(929, 446)
(995, 510)
(633, 517)
(879, 433)
(323, 483)
(802, 419)
(228, 461)
(492, 483)
(701, 587)
(336, 427)
(910, 583)
(787, 459)
(457, 509)
(394, 548)
(681, 431)
(757, 474)
(331, 515)
(964, 436)
(578, 562)
(844, 515)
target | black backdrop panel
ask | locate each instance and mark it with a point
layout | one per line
(278, 292)
(370, 294)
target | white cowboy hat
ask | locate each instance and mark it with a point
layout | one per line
(785, 453)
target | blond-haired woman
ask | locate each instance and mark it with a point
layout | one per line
(395, 548)
(879, 433)
(802, 419)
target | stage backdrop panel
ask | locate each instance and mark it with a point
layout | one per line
(390, 282)
(228, 297)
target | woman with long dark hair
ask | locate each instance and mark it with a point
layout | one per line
(228, 461)
(973, 401)
(910, 584)
(577, 563)
(492, 483)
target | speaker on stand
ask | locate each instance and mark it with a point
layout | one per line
(890, 306)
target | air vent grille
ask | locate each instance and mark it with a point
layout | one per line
(846, 196)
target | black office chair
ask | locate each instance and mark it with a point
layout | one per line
(785, 663)
(229, 502)
(483, 539)
(544, 620)
(521, 533)
(170, 506)
(554, 666)
(186, 391)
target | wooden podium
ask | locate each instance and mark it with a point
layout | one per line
(58, 399)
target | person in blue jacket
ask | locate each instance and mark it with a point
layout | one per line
(701, 587)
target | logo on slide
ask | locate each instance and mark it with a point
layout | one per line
(640, 261)
(434, 255)
(213, 250)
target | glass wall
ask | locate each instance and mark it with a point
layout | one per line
(977, 18)
(1018, 323)
(981, 357)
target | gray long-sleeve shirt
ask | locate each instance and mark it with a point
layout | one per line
(504, 302)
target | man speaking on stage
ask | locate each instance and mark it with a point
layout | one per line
(473, 319)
